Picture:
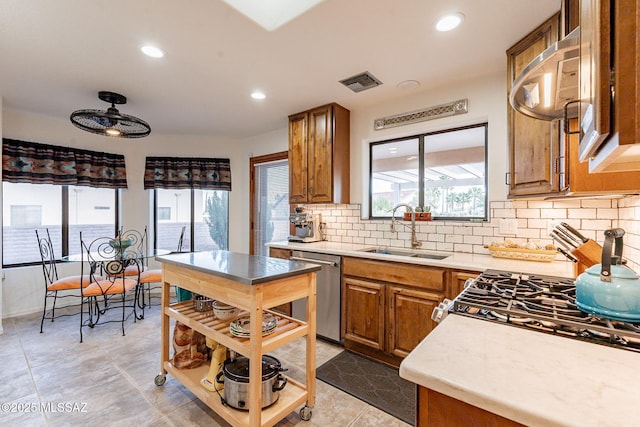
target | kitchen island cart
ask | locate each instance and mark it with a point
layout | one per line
(254, 284)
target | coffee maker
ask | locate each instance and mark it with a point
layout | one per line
(307, 227)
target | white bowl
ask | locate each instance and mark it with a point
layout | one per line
(223, 311)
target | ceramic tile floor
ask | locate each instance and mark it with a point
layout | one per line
(108, 379)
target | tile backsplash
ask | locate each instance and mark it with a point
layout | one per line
(534, 219)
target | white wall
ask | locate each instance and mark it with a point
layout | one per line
(486, 102)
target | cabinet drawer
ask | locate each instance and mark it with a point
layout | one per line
(280, 253)
(395, 272)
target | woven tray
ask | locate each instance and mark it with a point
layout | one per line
(523, 254)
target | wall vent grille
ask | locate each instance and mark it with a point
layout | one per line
(360, 82)
(429, 113)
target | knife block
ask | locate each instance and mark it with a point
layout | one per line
(589, 253)
(579, 268)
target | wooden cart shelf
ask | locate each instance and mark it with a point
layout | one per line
(287, 330)
(253, 284)
(291, 397)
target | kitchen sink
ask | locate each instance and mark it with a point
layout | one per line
(396, 252)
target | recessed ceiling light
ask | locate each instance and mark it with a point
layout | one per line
(408, 84)
(152, 51)
(449, 22)
(258, 95)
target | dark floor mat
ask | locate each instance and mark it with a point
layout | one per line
(372, 382)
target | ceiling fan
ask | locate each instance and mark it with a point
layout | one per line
(110, 122)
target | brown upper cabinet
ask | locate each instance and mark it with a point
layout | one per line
(533, 143)
(609, 84)
(543, 159)
(319, 155)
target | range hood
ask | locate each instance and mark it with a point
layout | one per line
(550, 81)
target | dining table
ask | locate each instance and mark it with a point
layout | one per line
(97, 258)
(128, 254)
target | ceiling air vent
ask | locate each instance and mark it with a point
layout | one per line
(360, 82)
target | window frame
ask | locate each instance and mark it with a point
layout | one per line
(421, 137)
(64, 195)
(192, 217)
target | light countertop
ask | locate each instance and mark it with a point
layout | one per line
(243, 268)
(527, 376)
(460, 261)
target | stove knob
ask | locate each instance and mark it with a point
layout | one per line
(441, 311)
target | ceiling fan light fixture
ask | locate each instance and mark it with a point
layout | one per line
(110, 122)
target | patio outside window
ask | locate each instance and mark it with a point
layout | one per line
(445, 171)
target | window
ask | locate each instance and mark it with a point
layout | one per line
(93, 223)
(444, 171)
(204, 213)
(64, 210)
(164, 214)
(270, 201)
(26, 215)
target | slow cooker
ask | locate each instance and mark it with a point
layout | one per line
(235, 377)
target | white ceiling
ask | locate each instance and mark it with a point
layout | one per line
(56, 55)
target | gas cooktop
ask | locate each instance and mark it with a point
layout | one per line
(542, 303)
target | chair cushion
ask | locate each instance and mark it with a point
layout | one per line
(71, 282)
(151, 276)
(106, 287)
(131, 270)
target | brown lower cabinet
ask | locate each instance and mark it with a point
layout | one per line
(387, 306)
(438, 410)
(458, 279)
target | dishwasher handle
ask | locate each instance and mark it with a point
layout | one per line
(316, 261)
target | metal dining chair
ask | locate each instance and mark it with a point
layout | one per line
(149, 277)
(112, 259)
(69, 286)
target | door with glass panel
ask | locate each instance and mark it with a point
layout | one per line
(269, 201)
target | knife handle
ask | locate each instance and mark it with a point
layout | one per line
(575, 232)
(568, 255)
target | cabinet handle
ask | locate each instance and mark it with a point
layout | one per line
(565, 118)
(507, 181)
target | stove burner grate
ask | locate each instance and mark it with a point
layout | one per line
(541, 303)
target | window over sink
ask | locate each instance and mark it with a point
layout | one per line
(444, 171)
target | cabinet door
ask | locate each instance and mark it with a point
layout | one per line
(320, 152)
(436, 409)
(298, 158)
(533, 144)
(409, 318)
(364, 312)
(580, 181)
(458, 279)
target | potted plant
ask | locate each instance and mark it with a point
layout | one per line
(423, 213)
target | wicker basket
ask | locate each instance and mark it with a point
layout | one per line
(523, 254)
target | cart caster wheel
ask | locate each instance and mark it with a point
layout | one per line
(160, 379)
(305, 413)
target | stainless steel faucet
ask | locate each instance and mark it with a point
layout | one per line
(415, 243)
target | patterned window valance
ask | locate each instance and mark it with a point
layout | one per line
(177, 172)
(30, 162)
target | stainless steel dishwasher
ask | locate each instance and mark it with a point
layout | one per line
(327, 294)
